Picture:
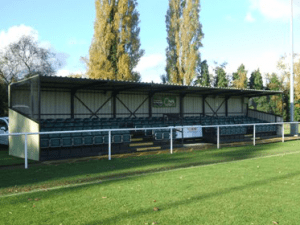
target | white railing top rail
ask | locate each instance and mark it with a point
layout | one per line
(144, 128)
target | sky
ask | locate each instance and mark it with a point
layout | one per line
(253, 32)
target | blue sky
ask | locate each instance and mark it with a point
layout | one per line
(253, 32)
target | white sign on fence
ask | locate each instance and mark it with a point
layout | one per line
(189, 132)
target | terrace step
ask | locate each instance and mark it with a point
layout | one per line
(140, 144)
(148, 148)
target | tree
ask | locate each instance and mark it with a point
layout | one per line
(240, 78)
(3, 99)
(25, 58)
(283, 66)
(184, 40)
(256, 81)
(204, 78)
(115, 49)
(221, 77)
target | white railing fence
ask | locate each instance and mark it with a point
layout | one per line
(152, 128)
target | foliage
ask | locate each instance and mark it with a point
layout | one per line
(184, 41)
(20, 59)
(204, 78)
(220, 77)
(25, 58)
(283, 66)
(115, 49)
(256, 81)
(240, 78)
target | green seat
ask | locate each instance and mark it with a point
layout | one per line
(117, 138)
(45, 143)
(98, 140)
(77, 141)
(55, 143)
(66, 142)
(126, 138)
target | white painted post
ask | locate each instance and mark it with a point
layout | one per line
(109, 145)
(282, 132)
(26, 154)
(171, 140)
(254, 134)
(218, 137)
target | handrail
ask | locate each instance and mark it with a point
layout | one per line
(152, 128)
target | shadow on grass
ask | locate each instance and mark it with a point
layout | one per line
(43, 176)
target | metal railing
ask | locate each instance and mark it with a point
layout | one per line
(171, 128)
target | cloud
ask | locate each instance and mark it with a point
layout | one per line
(249, 18)
(151, 67)
(66, 72)
(266, 62)
(275, 9)
(14, 33)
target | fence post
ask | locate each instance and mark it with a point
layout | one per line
(254, 134)
(171, 140)
(218, 137)
(109, 145)
(26, 154)
(282, 132)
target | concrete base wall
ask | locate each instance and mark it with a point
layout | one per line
(20, 124)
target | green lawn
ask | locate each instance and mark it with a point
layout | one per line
(45, 176)
(256, 191)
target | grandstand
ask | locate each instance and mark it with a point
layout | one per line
(42, 103)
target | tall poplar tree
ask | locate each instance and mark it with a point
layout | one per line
(115, 49)
(184, 40)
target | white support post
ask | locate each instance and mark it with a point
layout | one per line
(254, 135)
(218, 137)
(171, 140)
(109, 145)
(26, 153)
(282, 132)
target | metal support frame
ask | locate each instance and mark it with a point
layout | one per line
(218, 137)
(171, 140)
(109, 145)
(150, 96)
(131, 113)
(181, 103)
(282, 130)
(226, 106)
(203, 104)
(254, 134)
(73, 103)
(114, 103)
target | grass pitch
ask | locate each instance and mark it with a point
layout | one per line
(253, 191)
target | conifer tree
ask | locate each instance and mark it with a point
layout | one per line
(220, 78)
(204, 78)
(115, 49)
(184, 40)
(240, 78)
(256, 81)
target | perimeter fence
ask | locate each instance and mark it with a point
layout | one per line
(281, 132)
